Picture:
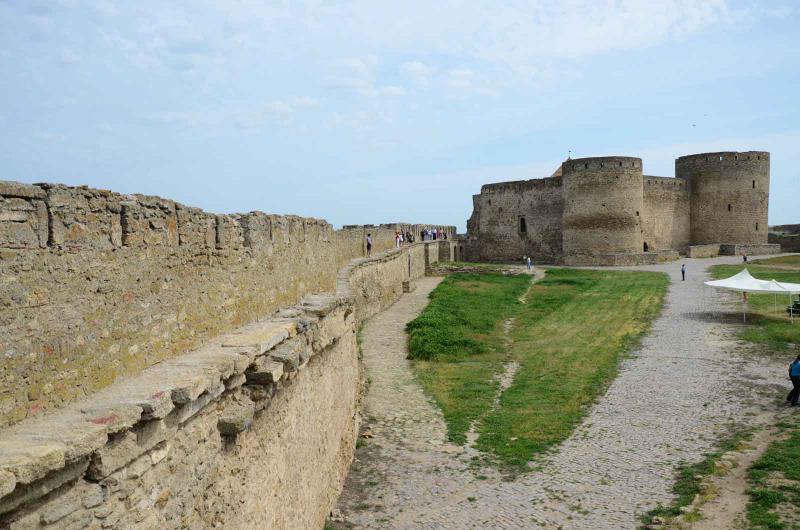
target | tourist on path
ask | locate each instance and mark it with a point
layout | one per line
(794, 375)
(683, 272)
(530, 265)
(369, 245)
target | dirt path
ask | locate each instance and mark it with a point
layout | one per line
(673, 399)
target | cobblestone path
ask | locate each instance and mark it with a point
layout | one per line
(673, 399)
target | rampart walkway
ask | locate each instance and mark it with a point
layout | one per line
(688, 381)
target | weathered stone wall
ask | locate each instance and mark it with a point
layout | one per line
(377, 282)
(622, 259)
(702, 251)
(495, 230)
(95, 286)
(255, 429)
(749, 250)
(351, 239)
(603, 203)
(665, 217)
(787, 236)
(729, 196)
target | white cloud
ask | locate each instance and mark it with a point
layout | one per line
(254, 118)
(392, 90)
(419, 72)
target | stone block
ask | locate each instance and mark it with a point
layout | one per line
(20, 223)
(18, 189)
(116, 454)
(78, 437)
(288, 352)
(29, 460)
(60, 507)
(196, 228)
(262, 335)
(184, 412)
(235, 381)
(319, 304)
(128, 447)
(235, 418)
(28, 493)
(93, 495)
(149, 221)
(82, 217)
(264, 371)
(257, 230)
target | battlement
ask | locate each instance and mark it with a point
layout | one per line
(602, 164)
(522, 185)
(725, 156)
(665, 183)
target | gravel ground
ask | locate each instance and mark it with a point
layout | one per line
(672, 400)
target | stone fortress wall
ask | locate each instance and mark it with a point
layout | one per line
(605, 211)
(787, 236)
(729, 196)
(496, 216)
(167, 367)
(603, 206)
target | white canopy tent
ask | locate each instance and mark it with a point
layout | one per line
(743, 282)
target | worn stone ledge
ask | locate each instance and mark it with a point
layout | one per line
(116, 428)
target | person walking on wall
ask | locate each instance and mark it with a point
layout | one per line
(683, 272)
(794, 375)
(369, 245)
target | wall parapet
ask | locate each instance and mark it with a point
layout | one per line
(95, 460)
(185, 442)
(125, 456)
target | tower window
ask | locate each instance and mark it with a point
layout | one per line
(586, 166)
(756, 227)
(729, 207)
(637, 214)
(620, 164)
(754, 184)
(523, 227)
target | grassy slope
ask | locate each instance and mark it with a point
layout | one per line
(568, 339)
(768, 321)
(458, 342)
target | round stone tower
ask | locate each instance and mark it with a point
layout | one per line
(603, 205)
(729, 196)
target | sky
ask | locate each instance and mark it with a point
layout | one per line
(367, 111)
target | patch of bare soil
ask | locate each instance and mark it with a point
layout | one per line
(725, 502)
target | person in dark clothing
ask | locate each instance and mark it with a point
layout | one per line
(683, 272)
(369, 245)
(794, 375)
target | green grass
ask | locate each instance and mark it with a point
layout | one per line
(458, 343)
(790, 261)
(768, 322)
(568, 339)
(780, 460)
